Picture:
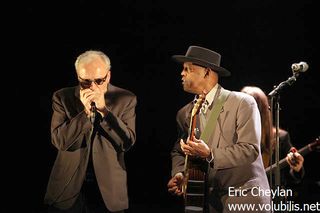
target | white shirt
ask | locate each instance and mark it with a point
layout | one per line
(209, 99)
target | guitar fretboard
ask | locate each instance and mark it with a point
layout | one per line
(303, 151)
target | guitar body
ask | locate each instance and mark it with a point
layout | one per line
(195, 172)
(195, 191)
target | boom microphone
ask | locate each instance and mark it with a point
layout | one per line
(299, 67)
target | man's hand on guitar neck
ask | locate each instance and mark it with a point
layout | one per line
(175, 184)
(196, 148)
(295, 160)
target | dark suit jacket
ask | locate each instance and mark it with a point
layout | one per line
(70, 132)
(236, 148)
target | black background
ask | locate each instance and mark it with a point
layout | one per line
(258, 41)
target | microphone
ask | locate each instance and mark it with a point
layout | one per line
(299, 67)
(93, 112)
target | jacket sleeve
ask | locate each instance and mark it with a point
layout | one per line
(244, 144)
(177, 156)
(67, 131)
(121, 129)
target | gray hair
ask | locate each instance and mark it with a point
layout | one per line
(89, 55)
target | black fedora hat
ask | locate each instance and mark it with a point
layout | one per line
(203, 57)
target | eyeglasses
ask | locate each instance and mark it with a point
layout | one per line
(86, 83)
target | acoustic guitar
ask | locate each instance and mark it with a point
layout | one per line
(193, 187)
(314, 146)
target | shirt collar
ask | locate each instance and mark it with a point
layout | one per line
(209, 98)
(211, 94)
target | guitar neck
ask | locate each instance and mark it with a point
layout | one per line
(283, 162)
(305, 150)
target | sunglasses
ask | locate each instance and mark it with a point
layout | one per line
(86, 83)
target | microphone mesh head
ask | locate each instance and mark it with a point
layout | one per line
(305, 66)
(299, 67)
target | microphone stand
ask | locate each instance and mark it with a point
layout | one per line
(275, 111)
(283, 84)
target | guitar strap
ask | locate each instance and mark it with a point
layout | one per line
(211, 124)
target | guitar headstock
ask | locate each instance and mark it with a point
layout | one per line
(198, 104)
(315, 145)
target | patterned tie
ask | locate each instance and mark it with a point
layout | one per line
(202, 115)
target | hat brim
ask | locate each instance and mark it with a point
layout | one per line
(220, 70)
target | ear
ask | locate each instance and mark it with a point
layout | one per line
(207, 70)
